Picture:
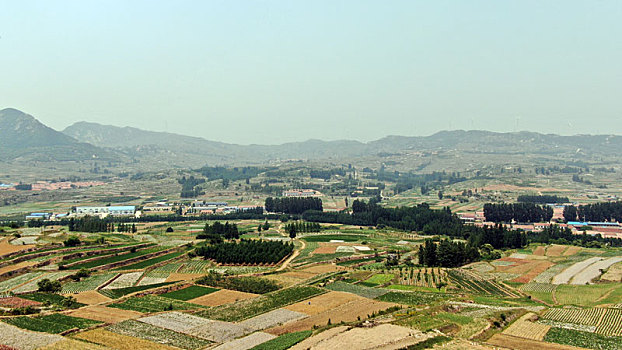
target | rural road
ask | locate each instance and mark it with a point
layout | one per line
(294, 255)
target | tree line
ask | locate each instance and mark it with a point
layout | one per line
(542, 199)
(246, 252)
(217, 232)
(555, 234)
(605, 211)
(301, 226)
(520, 212)
(188, 187)
(447, 253)
(292, 205)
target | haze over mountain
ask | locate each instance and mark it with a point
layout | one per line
(24, 137)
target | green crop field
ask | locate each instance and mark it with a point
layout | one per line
(120, 292)
(149, 262)
(55, 323)
(284, 342)
(153, 303)
(411, 298)
(189, 293)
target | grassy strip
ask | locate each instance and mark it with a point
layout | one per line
(428, 343)
(153, 303)
(150, 262)
(55, 323)
(53, 299)
(189, 293)
(582, 339)
(120, 292)
(115, 258)
(284, 342)
(411, 298)
(328, 238)
(243, 309)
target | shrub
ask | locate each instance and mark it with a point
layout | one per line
(45, 285)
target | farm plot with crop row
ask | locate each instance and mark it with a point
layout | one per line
(124, 280)
(16, 338)
(153, 303)
(55, 323)
(366, 292)
(248, 308)
(89, 283)
(195, 266)
(538, 287)
(548, 274)
(150, 262)
(159, 335)
(188, 293)
(14, 282)
(32, 285)
(116, 258)
(582, 339)
(471, 282)
(611, 323)
(411, 298)
(163, 271)
(217, 331)
(589, 317)
(565, 276)
(271, 319)
(118, 293)
(523, 328)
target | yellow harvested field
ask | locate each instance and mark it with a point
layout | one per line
(6, 247)
(17, 266)
(540, 250)
(324, 302)
(91, 297)
(347, 312)
(284, 280)
(72, 344)
(299, 274)
(463, 344)
(516, 343)
(524, 328)
(223, 296)
(318, 269)
(613, 274)
(326, 248)
(312, 341)
(105, 314)
(572, 250)
(118, 341)
(384, 336)
(555, 250)
(174, 277)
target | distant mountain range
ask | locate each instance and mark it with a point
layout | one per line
(24, 137)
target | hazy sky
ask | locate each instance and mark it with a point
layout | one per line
(276, 71)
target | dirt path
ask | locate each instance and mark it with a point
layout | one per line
(294, 255)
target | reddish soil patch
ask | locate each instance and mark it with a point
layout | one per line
(105, 314)
(540, 251)
(17, 302)
(326, 248)
(536, 269)
(555, 250)
(572, 250)
(511, 342)
(318, 269)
